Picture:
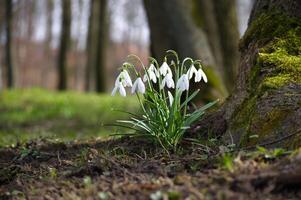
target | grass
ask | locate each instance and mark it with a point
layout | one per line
(32, 113)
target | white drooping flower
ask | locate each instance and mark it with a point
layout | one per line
(199, 75)
(168, 81)
(170, 97)
(138, 86)
(151, 73)
(192, 70)
(154, 69)
(183, 83)
(119, 86)
(125, 78)
(164, 69)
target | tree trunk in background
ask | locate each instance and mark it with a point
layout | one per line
(89, 48)
(227, 21)
(172, 27)
(49, 23)
(8, 44)
(64, 44)
(204, 17)
(96, 45)
(2, 17)
(218, 18)
(48, 40)
(265, 107)
(101, 48)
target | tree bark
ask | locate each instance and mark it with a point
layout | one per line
(8, 44)
(172, 27)
(96, 46)
(101, 48)
(219, 21)
(265, 105)
(49, 23)
(48, 40)
(226, 18)
(64, 45)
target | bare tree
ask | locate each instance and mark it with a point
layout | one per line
(64, 45)
(226, 18)
(8, 44)
(96, 45)
(49, 23)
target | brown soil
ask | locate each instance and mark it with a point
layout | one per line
(135, 169)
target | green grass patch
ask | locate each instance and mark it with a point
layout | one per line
(32, 113)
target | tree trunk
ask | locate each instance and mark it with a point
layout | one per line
(226, 18)
(100, 67)
(204, 16)
(8, 44)
(49, 23)
(96, 46)
(48, 40)
(64, 45)
(219, 21)
(89, 48)
(172, 27)
(264, 108)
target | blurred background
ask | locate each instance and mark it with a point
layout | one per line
(76, 47)
(79, 44)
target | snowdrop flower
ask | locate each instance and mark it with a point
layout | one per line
(199, 75)
(192, 70)
(138, 86)
(168, 81)
(183, 83)
(164, 69)
(125, 78)
(119, 86)
(170, 97)
(154, 69)
(152, 74)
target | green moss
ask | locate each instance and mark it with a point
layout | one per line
(283, 58)
(264, 126)
(244, 113)
(276, 81)
(269, 26)
(278, 63)
(280, 57)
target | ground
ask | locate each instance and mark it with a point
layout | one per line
(60, 167)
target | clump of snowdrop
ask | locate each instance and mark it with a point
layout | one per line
(164, 94)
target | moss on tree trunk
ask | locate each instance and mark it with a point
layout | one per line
(265, 107)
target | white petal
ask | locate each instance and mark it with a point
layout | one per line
(183, 83)
(145, 77)
(198, 76)
(169, 81)
(170, 97)
(134, 88)
(192, 70)
(114, 91)
(122, 91)
(141, 86)
(163, 83)
(153, 77)
(204, 76)
(154, 69)
(164, 69)
(127, 79)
